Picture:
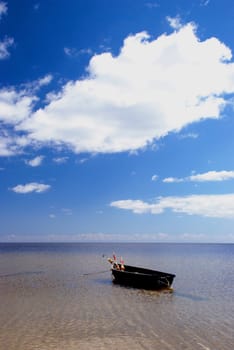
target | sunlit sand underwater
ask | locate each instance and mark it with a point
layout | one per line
(60, 296)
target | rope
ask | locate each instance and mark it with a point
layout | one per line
(94, 273)
(22, 273)
(40, 272)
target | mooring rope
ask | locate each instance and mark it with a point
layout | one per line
(94, 273)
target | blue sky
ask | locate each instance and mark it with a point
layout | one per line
(117, 120)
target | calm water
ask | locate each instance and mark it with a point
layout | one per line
(60, 296)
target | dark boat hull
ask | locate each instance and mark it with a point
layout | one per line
(142, 278)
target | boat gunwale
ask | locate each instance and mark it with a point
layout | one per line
(139, 271)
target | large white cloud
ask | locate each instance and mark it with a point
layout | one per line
(219, 206)
(153, 87)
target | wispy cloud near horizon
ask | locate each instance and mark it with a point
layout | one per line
(215, 206)
(222, 175)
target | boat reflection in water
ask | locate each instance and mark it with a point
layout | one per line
(139, 277)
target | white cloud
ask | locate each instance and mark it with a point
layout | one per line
(73, 52)
(4, 46)
(5, 146)
(83, 160)
(204, 2)
(204, 177)
(7, 42)
(172, 179)
(15, 106)
(35, 161)
(188, 136)
(68, 51)
(60, 160)
(45, 80)
(219, 206)
(175, 22)
(153, 87)
(3, 8)
(85, 51)
(213, 176)
(33, 86)
(31, 187)
(152, 5)
(11, 144)
(137, 206)
(154, 178)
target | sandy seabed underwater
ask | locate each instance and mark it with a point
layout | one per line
(61, 296)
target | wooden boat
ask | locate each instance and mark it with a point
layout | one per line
(140, 277)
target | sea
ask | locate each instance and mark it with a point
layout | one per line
(61, 296)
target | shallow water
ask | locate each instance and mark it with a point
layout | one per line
(60, 296)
